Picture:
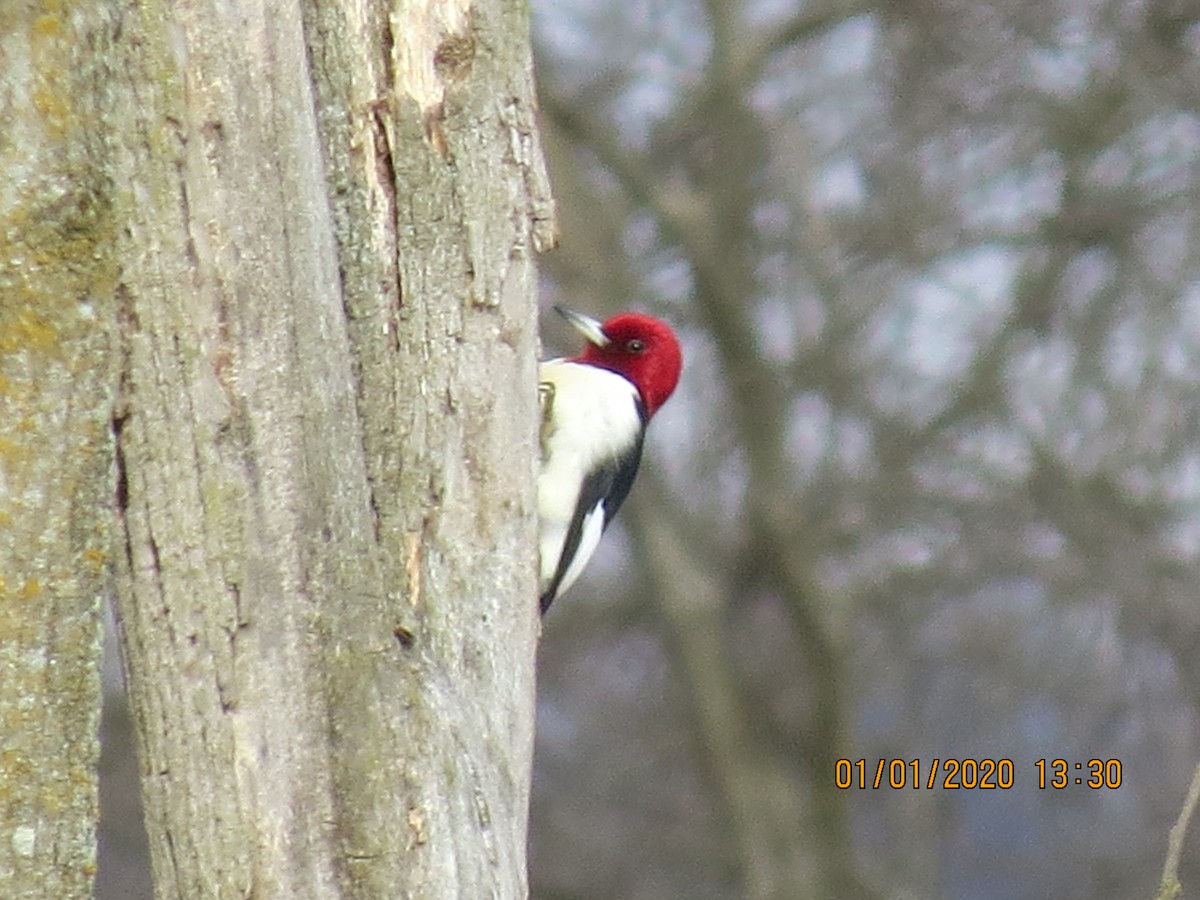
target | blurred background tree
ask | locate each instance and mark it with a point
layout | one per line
(930, 488)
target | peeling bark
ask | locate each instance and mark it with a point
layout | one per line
(254, 303)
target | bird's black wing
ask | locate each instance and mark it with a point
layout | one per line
(608, 486)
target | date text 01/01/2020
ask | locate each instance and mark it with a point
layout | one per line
(973, 774)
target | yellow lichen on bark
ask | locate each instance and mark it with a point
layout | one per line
(57, 276)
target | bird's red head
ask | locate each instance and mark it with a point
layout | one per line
(642, 348)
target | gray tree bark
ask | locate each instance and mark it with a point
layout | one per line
(323, 359)
(57, 270)
(325, 444)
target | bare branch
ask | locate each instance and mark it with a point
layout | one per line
(1169, 887)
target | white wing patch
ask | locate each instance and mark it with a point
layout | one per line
(593, 527)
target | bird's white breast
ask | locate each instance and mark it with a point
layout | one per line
(593, 417)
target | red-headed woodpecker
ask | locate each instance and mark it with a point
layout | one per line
(595, 407)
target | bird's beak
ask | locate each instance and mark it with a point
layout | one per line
(585, 325)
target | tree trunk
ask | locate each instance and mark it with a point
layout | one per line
(56, 276)
(325, 443)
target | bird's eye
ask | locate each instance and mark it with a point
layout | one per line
(634, 346)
